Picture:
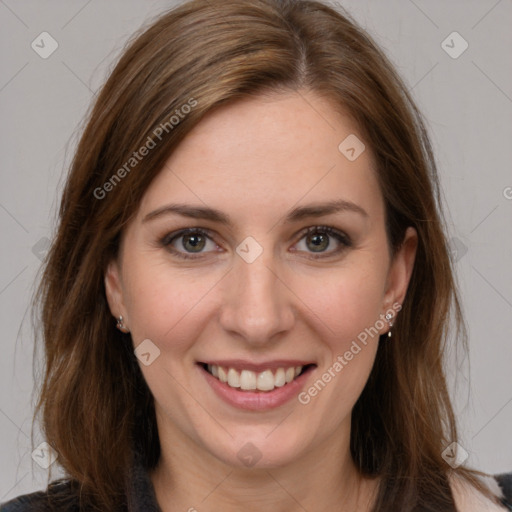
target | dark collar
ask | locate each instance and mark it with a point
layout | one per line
(140, 491)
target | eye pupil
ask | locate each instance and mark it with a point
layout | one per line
(195, 242)
(320, 242)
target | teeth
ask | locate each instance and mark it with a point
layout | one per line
(249, 380)
(233, 378)
(223, 376)
(265, 381)
(280, 378)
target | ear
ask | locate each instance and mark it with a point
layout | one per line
(114, 289)
(400, 270)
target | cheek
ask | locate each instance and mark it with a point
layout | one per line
(345, 301)
(345, 308)
(166, 304)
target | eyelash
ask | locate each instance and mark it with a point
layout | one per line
(341, 237)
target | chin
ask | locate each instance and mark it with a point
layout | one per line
(261, 448)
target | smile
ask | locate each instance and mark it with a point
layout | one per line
(248, 380)
(256, 387)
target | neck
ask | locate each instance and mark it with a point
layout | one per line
(325, 478)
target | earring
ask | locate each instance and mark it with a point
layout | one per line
(389, 317)
(121, 326)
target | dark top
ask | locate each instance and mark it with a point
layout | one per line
(141, 495)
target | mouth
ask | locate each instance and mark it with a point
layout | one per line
(258, 379)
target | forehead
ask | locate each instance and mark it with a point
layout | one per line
(266, 154)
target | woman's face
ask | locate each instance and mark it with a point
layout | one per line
(253, 290)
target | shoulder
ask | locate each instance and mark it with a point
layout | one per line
(59, 497)
(36, 501)
(504, 481)
(469, 499)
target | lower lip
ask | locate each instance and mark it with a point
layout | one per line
(260, 400)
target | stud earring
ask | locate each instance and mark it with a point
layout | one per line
(121, 326)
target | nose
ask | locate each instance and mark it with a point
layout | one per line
(257, 304)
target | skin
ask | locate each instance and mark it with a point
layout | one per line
(255, 160)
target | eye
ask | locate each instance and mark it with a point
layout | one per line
(317, 239)
(189, 241)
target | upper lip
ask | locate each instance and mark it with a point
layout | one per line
(241, 364)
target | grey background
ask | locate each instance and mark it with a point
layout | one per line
(467, 102)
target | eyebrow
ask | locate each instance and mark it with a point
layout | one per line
(295, 215)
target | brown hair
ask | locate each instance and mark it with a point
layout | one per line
(94, 401)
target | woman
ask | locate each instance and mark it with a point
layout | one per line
(247, 299)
